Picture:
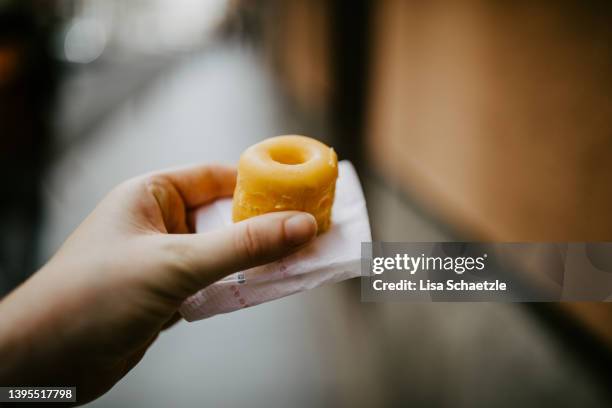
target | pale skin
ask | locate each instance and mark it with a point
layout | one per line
(89, 315)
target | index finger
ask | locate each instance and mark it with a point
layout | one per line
(200, 184)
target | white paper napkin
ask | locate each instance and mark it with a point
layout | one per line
(332, 257)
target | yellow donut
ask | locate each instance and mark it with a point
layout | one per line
(286, 173)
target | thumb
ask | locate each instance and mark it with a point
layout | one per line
(210, 256)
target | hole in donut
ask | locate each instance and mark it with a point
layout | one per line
(288, 155)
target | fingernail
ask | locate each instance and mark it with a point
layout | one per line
(300, 228)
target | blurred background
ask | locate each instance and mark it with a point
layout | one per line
(466, 120)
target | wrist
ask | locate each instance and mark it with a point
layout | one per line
(25, 335)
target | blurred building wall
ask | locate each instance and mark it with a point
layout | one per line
(498, 116)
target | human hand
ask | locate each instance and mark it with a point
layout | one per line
(88, 316)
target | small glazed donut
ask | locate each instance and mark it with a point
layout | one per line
(286, 173)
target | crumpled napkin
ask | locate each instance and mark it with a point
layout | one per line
(332, 257)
